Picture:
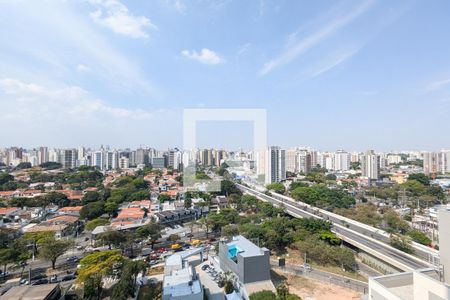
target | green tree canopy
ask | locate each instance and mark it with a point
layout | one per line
(50, 249)
(420, 177)
(276, 187)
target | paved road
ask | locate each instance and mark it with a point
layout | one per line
(297, 210)
(421, 251)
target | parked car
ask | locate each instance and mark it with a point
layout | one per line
(38, 276)
(306, 267)
(73, 259)
(40, 281)
(153, 262)
(204, 267)
(68, 277)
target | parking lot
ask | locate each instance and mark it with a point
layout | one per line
(209, 278)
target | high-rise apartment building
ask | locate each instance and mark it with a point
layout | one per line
(431, 164)
(124, 162)
(68, 158)
(43, 155)
(142, 157)
(370, 165)
(341, 160)
(304, 159)
(292, 160)
(275, 168)
(97, 159)
(436, 162)
(206, 157)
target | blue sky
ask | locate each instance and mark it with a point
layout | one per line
(331, 74)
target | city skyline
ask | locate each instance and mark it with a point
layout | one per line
(349, 74)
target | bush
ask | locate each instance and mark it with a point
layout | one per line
(263, 295)
(401, 243)
(419, 237)
(91, 225)
(276, 187)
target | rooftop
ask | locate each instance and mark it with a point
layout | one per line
(30, 292)
(244, 247)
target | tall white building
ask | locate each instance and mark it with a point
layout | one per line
(445, 161)
(81, 152)
(431, 164)
(275, 168)
(292, 160)
(124, 162)
(341, 160)
(304, 159)
(53, 155)
(68, 158)
(43, 155)
(370, 165)
(97, 159)
(394, 159)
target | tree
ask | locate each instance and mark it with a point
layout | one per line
(6, 258)
(228, 287)
(414, 187)
(356, 165)
(228, 187)
(323, 197)
(93, 287)
(111, 207)
(331, 177)
(187, 203)
(51, 249)
(23, 165)
(151, 231)
(419, 237)
(99, 263)
(401, 243)
(91, 225)
(207, 224)
(91, 196)
(263, 295)
(59, 199)
(5, 177)
(420, 177)
(92, 210)
(113, 238)
(297, 184)
(50, 165)
(164, 198)
(230, 230)
(317, 177)
(39, 238)
(276, 187)
(173, 238)
(282, 291)
(125, 288)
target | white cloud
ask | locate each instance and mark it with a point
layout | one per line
(178, 5)
(205, 56)
(54, 114)
(335, 62)
(116, 16)
(243, 49)
(437, 85)
(66, 39)
(297, 48)
(83, 68)
(65, 103)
